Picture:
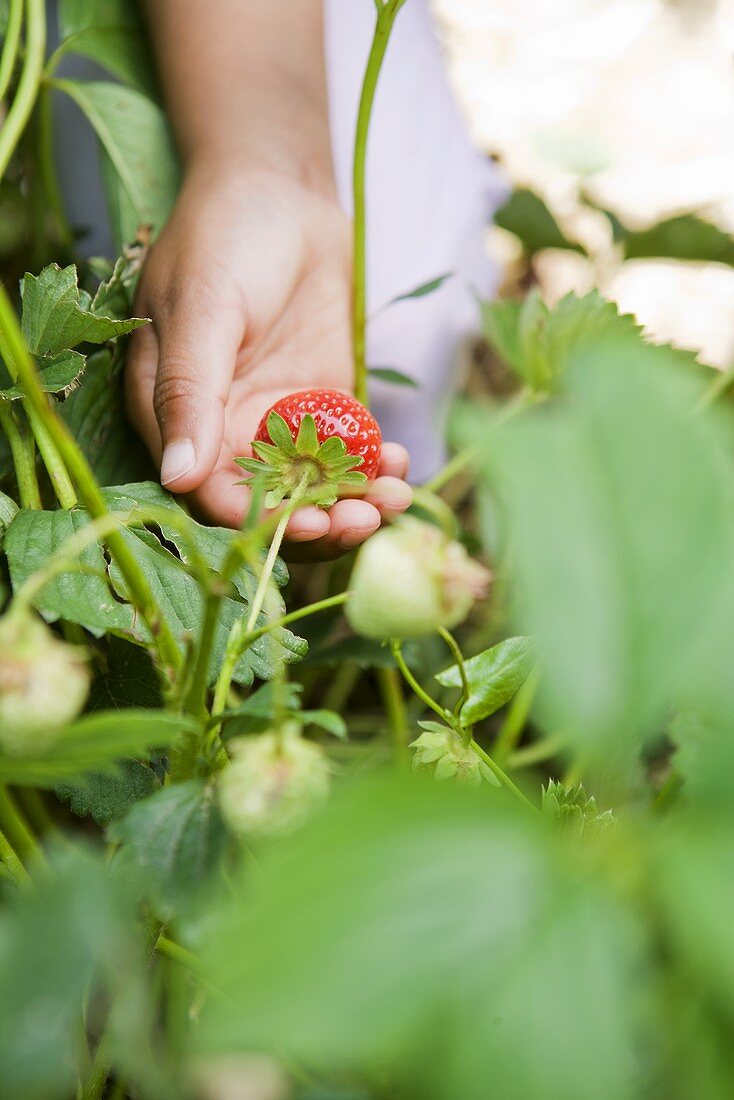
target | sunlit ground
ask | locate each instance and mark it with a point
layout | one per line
(634, 99)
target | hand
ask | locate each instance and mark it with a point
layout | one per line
(248, 289)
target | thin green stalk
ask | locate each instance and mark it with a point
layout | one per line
(394, 702)
(385, 18)
(516, 718)
(49, 452)
(140, 592)
(240, 637)
(15, 827)
(538, 752)
(456, 465)
(30, 79)
(396, 650)
(47, 167)
(22, 450)
(459, 658)
(503, 777)
(9, 858)
(10, 45)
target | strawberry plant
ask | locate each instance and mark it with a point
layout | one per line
(450, 817)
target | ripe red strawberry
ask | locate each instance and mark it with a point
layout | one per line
(314, 445)
(335, 414)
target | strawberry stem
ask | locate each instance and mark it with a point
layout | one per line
(385, 18)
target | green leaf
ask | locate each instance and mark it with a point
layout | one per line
(66, 945)
(394, 377)
(94, 594)
(325, 719)
(106, 796)
(56, 373)
(540, 344)
(574, 811)
(494, 676)
(95, 742)
(56, 317)
(423, 289)
(280, 433)
(95, 414)
(307, 442)
(119, 50)
(685, 237)
(8, 511)
(85, 595)
(176, 838)
(76, 16)
(616, 504)
(399, 895)
(134, 134)
(526, 215)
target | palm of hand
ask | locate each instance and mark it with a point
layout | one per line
(264, 312)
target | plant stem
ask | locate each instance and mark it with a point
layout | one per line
(15, 827)
(47, 168)
(410, 679)
(22, 449)
(392, 697)
(9, 858)
(52, 460)
(141, 595)
(503, 777)
(453, 467)
(294, 616)
(459, 658)
(516, 718)
(10, 45)
(385, 19)
(30, 78)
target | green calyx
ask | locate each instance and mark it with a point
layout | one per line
(316, 472)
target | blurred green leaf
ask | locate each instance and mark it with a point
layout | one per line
(409, 916)
(70, 936)
(494, 676)
(133, 131)
(177, 840)
(76, 16)
(423, 289)
(618, 513)
(394, 377)
(120, 50)
(325, 719)
(573, 810)
(95, 742)
(539, 344)
(56, 315)
(685, 237)
(527, 216)
(106, 796)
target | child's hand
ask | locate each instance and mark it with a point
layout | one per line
(248, 289)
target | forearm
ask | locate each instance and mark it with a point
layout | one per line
(244, 82)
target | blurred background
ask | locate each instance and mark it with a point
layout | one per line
(623, 105)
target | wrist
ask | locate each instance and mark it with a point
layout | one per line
(278, 130)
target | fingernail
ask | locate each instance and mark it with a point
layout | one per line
(353, 537)
(178, 458)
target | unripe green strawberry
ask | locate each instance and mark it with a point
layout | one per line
(273, 782)
(44, 684)
(411, 579)
(441, 750)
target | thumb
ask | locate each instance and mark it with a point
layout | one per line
(198, 341)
